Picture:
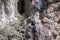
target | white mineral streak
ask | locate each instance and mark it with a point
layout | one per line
(6, 19)
(38, 21)
(38, 25)
(3, 19)
(11, 9)
(36, 17)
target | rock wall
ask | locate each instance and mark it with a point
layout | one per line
(46, 28)
(10, 20)
(33, 25)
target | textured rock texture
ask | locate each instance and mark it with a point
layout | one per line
(10, 20)
(47, 28)
(33, 23)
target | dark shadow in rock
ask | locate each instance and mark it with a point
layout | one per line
(20, 6)
(59, 22)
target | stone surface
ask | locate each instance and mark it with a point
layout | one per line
(14, 26)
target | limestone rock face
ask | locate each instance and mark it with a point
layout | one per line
(37, 26)
(10, 19)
